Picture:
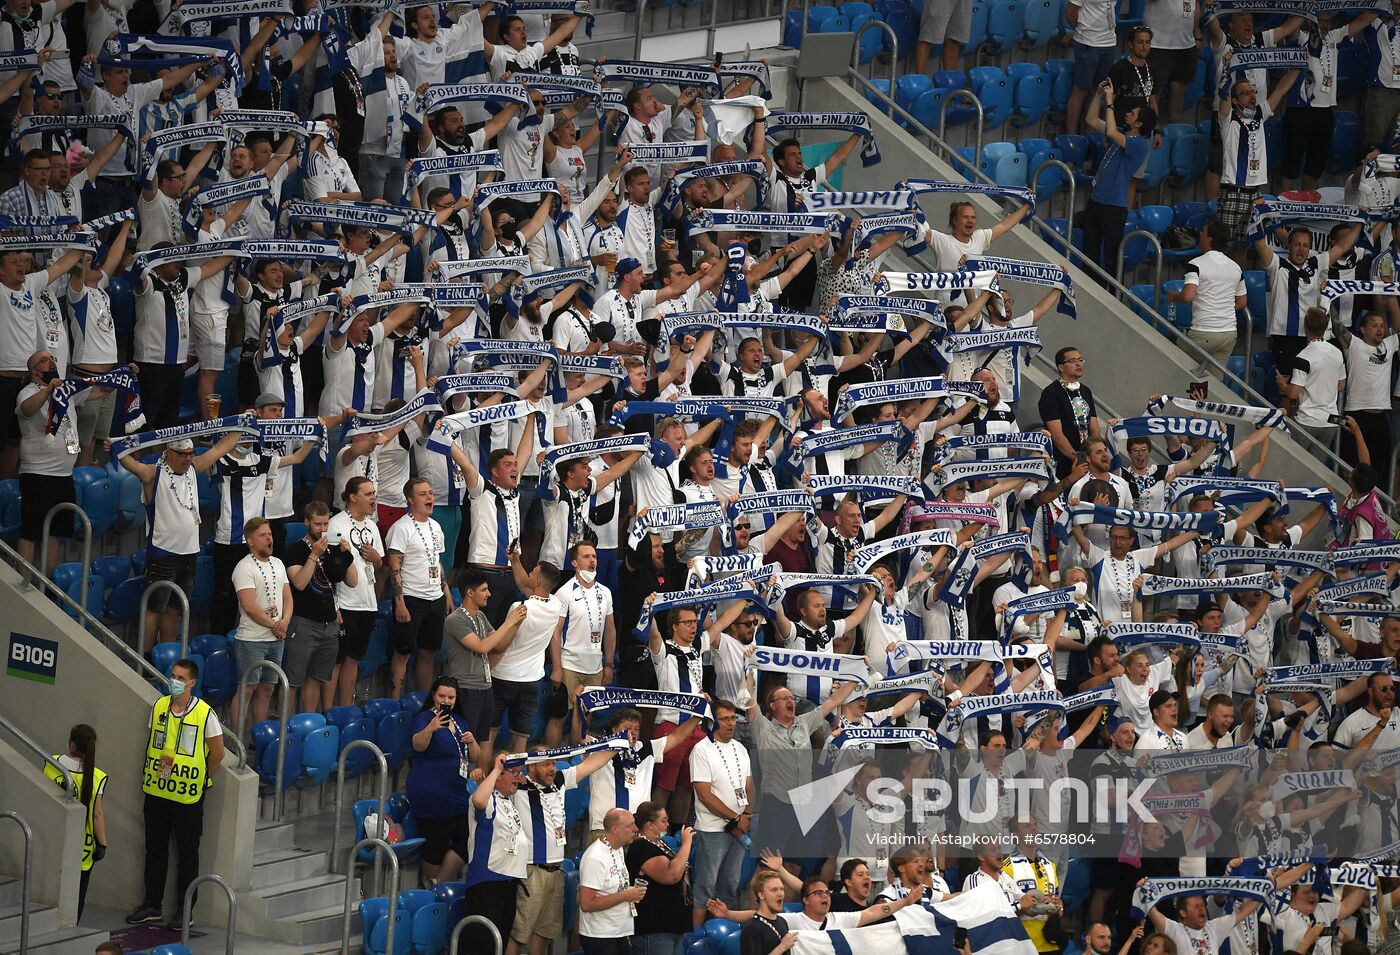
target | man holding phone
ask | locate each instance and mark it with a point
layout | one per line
(316, 564)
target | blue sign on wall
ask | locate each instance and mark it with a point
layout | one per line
(32, 658)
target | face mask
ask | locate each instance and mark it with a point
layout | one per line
(756, 247)
(1249, 113)
(1081, 589)
(177, 686)
(588, 576)
(49, 374)
(507, 230)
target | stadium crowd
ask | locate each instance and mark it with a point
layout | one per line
(659, 480)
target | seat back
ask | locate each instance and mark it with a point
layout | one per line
(1011, 170)
(372, 912)
(377, 709)
(1005, 24)
(429, 929)
(1155, 219)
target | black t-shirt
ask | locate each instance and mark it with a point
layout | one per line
(317, 601)
(666, 908)
(1132, 83)
(761, 935)
(841, 902)
(1074, 410)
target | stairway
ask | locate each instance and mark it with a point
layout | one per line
(45, 937)
(294, 899)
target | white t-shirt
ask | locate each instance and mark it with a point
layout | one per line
(949, 251)
(1113, 581)
(266, 578)
(1368, 373)
(586, 612)
(1218, 279)
(19, 328)
(41, 453)
(1204, 941)
(1172, 22)
(523, 661)
(604, 869)
(1097, 25)
(724, 766)
(358, 533)
(1319, 369)
(1132, 700)
(421, 544)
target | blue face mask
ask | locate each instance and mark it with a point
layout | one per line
(176, 687)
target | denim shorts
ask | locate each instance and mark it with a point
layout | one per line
(248, 652)
(1091, 64)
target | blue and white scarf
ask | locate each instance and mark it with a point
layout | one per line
(1206, 523)
(314, 250)
(883, 485)
(618, 742)
(934, 281)
(1370, 585)
(693, 323)
(869, 555)
(609, 697)
(886, 392)
(834, 666)
(1343, 608)
(944, 476)
(454, 165)
(1223, 556)
(912, 224)
(34, 123)
(616, 444)
(198, 12)
(675, 188)
(1156, 426)
(476, 383)
(366, 214)
(1021, 194)
(1367, 553)
(515, 187)
(1003, 704)
(1227, 490)
(772, 502)
(964, 568)
(746, 68)
(651, 73)
(720, 591)
(834, 439)
(471, 268)
(1307, 9)
(439, 95)
(1245, 59)
(696, 515)
(1051, 601)
(177, 137)
(360, 424)
(694, 151)
(1133, 636)
(889, 736)
(1293, 784)
(892, 200)
(172, 52)
(18, 60)
(196, 252)
(1336, 288)
(119, 379)
(1154, 586)
(451, 425)
(61, 242)
(245, 423)
(780, 223)
(1223, 411)
(779, 123)
(1201, 761)
(1031, 273)
(1155, 891)
(848, 306)
(957, 343)
(1037, 442)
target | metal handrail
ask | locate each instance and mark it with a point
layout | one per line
(27, 878)
(1122, 255)
(87, 546)
(245, 705)
(232, 923)
(96, 627)
(943, 119)
(340, 796)
(894, 47)
(637, 38)
(1069, 178)
(171, 586)
(379, 845)
(1324, 454)
(469, 920)
(69, 783)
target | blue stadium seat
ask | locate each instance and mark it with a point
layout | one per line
(1188, 160)
(959, 112)
(1074, 149)
(267, 764)
(113, 569)
(429, 929)
(925, 110)
(1040, 24)
(66, 574)
(855, 8)
(372, 912)
(1032, 145)
(1256, 290)
(836, 24)
(977, 36)
(303, 723)
(220, 677)
(343, 716)
(1005, 25)
(992, 153)
(905, 24)
(393, 738)
(124, 602)
(1061, 73)
(1011, 170)
(872, 96)
(96, 494)
(1346, 141)
(1196, 89)
(1148, 294)
(997, 102)
(819, 14)
(413, 702)
(131, 509)
(1155, 219)
(203, 583)
(1178, 313)
(910, 87)
(453, 896)
(1133, 16)
(1236, 366)
(871, 41)
(792, 29)
(1031, 96)
(359, 760)
(379, 708)
(1158, 166)
(296, 530)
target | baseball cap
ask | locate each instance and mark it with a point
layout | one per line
(268, 398)
(1160, 697)
(623, 267)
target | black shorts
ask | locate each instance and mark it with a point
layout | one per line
(446, 832)
(9, 397)
(178, 568)
(357, 626)
(41, 493)
(1108, 874)
(520, 700)
(1171, 66)
(424, 628)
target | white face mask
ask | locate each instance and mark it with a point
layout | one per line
(1080, 588)
(587, 576)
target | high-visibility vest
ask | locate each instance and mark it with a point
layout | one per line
(98, 778)
(186, 747)
(1029, 876)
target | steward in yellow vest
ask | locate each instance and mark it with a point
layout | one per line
(80, 761)
(183, 751)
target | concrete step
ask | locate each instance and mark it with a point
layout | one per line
(287, 865)
(289, 899)
(9, 892)
(42, 919)
(67, 941)
(319, 929)
(273, 835)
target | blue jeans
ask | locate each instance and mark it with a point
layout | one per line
(1091, 64)
(717, 869)
(248, 652)
(658, 943)
(381, 177)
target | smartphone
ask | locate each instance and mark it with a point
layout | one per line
(334, 538)
(719, 60)
(1331, 931)
(960, 937)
